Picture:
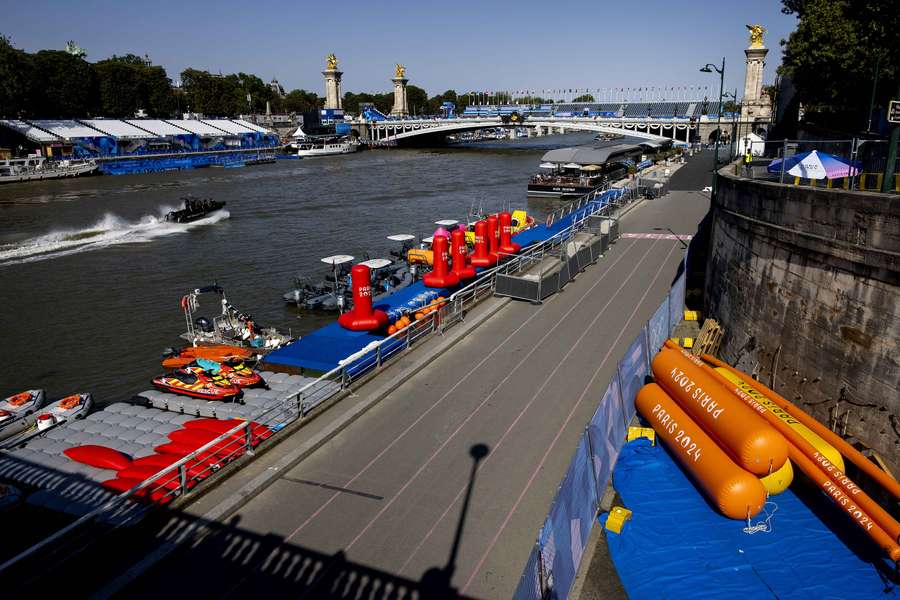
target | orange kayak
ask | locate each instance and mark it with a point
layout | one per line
(216, 352)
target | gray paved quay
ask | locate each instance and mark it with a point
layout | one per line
(380, 505)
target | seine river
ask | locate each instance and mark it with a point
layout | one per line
(91, 280)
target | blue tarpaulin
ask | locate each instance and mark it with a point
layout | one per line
(676, 545)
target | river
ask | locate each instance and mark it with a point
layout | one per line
(91, 280)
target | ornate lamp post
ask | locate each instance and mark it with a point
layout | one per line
(709, 68)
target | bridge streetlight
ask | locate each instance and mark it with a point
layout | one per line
(709, 68)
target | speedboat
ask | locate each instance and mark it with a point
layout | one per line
(197, 383)
(231, 326)
(194, 210)
(333, 293)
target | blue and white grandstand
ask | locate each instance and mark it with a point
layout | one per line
(612, 110)
(141, 145)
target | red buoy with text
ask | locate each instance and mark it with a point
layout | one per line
(362, 317)
(440, 276)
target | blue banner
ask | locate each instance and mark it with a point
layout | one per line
(530, 584)
(633, 368)
(658, 328)
(607, 433)
(568, 524)
(676, 303)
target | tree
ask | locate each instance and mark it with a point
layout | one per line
(300, 101)
(416, 99)
(831, 56)
(15, 83)
(63, 86)
(584, 98)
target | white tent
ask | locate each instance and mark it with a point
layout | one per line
(756, 144)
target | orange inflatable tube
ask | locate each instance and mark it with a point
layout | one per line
(735, 492)
(849, 452)
(751, 442)
(856, 513)
(801, 445)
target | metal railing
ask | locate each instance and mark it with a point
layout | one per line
(182, 476)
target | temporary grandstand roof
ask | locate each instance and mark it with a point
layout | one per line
(198, 127)
(67, 129)
(30, 131)
(588, 155)
(118, 129)
(250, 125)
(157, 126)
(229, 126)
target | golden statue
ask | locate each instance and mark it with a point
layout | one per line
(756, 35)
(399, 71)
(331, 61)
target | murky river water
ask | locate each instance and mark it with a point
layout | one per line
(90, 280)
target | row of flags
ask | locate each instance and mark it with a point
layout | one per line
(683, 88)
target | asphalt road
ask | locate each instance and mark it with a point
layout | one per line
(386, 495)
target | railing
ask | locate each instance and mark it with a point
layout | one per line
(178, 479)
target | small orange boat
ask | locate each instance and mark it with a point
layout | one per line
(174, 359)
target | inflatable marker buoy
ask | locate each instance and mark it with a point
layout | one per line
(362, 317)
(735, 492)
(458, 256)
(481, 257)
(440, 276)
(507, 246)
(747, 437)
(493, 233)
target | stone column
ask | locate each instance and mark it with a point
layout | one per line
(333, 88)
(753, 79)
(401, 108)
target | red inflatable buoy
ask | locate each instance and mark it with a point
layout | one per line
(440, 277)
(507, 246)
(458, 252)
(493, 231)
(362, 317)
(481, 257)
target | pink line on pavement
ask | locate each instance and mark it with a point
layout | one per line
(559, 433)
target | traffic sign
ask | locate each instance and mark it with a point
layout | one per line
(894, 111)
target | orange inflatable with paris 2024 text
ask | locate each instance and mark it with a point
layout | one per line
(750, 441)
(735, 492)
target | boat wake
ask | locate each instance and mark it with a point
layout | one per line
(108, 231)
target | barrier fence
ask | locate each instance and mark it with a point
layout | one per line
(556, 556)
(855, 164)
(243, 439)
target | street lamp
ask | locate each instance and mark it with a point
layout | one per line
(709, 68)
(732, 146)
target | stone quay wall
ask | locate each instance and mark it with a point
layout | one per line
(806, 283)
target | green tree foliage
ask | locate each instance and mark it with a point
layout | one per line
(128, 83)
(832, 54)
(62, 86)
(416, 99)
(584, 98)
(383, 102)
(225, 95)
(299, 101)
(15, 84)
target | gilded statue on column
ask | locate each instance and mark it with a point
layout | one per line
(756, 35)
(331, 62)
(399, 71)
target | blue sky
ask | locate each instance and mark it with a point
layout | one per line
(480, 45)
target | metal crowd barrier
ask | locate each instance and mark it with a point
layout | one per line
(180, 478)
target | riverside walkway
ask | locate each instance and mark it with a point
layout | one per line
(396, 500)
